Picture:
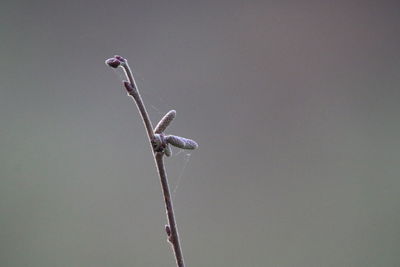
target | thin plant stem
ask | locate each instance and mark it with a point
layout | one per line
(173, 230)
(133, 91)
(139, 102)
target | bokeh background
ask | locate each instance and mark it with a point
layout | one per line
(294, 104)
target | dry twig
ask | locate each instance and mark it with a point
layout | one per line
(160, 144)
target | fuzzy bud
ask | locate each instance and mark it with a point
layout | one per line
(116, 61)
(181, 142)
(129, 88)
(165, 122)
(168, 230)
(113, 63)
(120, 59)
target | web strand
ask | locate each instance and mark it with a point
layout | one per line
(178, 181)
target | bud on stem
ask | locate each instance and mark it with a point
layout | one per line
(165, 122)
(181, 142)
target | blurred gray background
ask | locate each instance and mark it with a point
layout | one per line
(294, 104)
